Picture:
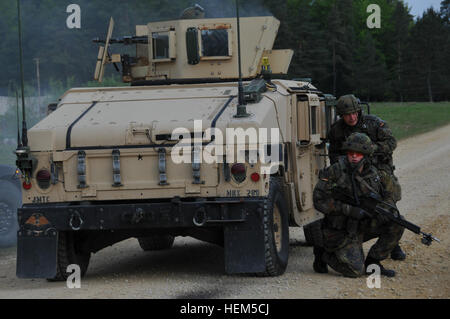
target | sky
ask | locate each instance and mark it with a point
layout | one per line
(419, 6)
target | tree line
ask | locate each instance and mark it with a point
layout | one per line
(406, 59)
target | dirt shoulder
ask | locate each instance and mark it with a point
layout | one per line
(193, 269)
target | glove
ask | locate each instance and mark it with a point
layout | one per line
(381, 219)
(354, 212)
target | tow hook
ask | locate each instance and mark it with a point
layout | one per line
(75, 221)
(199, 217)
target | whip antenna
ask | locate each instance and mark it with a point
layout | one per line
(24, 123)
(17, 114)
(241, 108)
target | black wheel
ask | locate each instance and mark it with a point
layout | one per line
(68, 254)
(10, 200)
(313, 233)
(276, 230)
(156, 242)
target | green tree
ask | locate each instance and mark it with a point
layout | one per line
(370, 80)
(395, 42)
(428, 37)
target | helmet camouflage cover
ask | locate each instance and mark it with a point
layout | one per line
(195, 12)
(347, 104)
(358, 142)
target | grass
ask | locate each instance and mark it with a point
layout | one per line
(412, 118)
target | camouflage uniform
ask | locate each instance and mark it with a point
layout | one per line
(346, 227)
(378, 131)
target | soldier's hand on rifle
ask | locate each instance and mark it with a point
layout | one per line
(354, 212)
(382, 219)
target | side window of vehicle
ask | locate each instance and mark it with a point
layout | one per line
(314, 119)
(160, 45)
(163, 46)
(303, 121)
(214, 42)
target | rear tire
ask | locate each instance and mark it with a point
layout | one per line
(68, 254)
(156, 242)
(276, 230)
(10, 200)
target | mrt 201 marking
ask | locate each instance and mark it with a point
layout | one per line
(237, 193)
(41, 199)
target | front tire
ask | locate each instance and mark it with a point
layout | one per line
(276, 230)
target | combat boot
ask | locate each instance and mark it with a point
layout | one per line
(383, 271)
(319, 265)
(397, 253)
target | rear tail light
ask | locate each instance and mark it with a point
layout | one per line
(255, 177)
(238, 171)
(43, 178)
(26, 185)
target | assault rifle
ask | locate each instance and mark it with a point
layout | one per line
(373, 204)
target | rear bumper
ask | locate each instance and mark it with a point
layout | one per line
(240, 219)
(166, 214)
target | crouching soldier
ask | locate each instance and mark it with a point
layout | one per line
(353, 120)
(346, 227)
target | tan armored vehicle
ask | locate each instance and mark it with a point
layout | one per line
(181, 152)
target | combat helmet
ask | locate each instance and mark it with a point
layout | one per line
(195, 12)
(347, 104)
(359, 142)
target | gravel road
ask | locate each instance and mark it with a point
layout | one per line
(193, 269)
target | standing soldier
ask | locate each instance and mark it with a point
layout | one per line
(346, 227)
(352, 120)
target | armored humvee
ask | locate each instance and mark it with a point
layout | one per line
(152, 160)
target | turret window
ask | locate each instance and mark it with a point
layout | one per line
(215, 42)
(163, 46)
(160, 45)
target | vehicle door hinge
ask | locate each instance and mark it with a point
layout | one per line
(53, 173)
(116, 168)
(196, 165)
(162, 167)
(81, 169)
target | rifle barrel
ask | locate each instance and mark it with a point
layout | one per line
(371, 203)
